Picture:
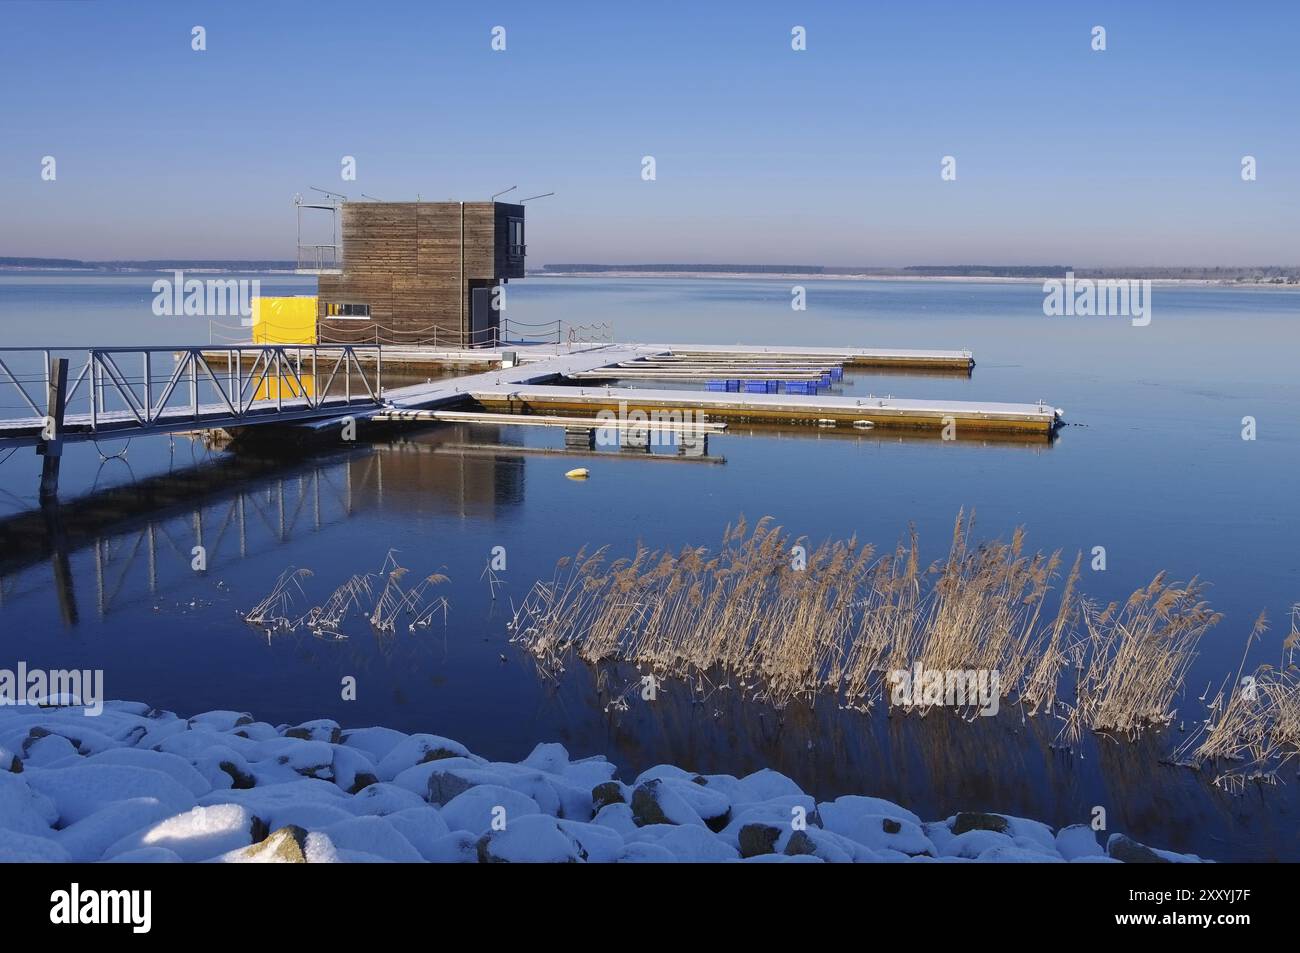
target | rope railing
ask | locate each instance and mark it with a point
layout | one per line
(350, 331)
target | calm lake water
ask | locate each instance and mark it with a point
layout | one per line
(1152, 466)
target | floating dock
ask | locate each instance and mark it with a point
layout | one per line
(864, 413)
(534, 385)
(901, 358)
(309, 389)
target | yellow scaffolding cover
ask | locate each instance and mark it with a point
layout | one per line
(284, 320)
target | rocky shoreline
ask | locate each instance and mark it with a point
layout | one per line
(136, 784)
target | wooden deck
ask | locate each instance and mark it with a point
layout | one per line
(787, 409)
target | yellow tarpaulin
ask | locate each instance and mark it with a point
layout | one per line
(284, 320)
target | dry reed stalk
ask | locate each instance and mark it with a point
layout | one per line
(326, 620)
(1131, 661)
(837, 623)
(276, 610)
(848, 618)
(1253, 726)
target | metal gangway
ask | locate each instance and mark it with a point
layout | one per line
(66, 395)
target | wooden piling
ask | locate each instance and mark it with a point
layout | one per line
(51, 448)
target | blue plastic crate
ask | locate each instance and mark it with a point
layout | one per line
(807, 388)
(760, 387)
(717, 385)
(837, 373)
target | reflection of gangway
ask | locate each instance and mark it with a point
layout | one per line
(220, 509)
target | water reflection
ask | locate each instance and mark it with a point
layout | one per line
(120, 549)
(143, 533)
(934, 765)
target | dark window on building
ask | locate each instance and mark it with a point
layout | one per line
(333, 310)
(515, 237)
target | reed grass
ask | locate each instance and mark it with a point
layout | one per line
(1130, 661)
(1253, 724)
(394, 603)
(850, 617)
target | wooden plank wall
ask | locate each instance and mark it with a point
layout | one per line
(403, 259)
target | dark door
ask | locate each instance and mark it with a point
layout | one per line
(481, 318)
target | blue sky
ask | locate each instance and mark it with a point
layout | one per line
(764, 154)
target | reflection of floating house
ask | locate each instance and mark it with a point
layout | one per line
(414, 272)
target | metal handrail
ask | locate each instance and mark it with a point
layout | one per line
(297, 369)
(318, 257)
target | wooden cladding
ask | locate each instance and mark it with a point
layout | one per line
(415, 264)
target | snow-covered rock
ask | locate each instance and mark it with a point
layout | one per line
(24, 810)
(18, 848)
(80, 790)
(180, 770)
(284, 846)
(383, 798)
(1077, 841)
(87, 839)
(475, 810)
(139, 785)
(418, 749)
(375, 742)
(532, 839)
(197, 834)
(374, 835)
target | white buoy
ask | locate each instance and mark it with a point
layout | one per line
(578, 473)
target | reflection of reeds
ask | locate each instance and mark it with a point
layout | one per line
(846, 619)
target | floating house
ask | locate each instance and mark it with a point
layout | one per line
(414, 273)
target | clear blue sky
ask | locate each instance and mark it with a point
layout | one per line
(1131, 156)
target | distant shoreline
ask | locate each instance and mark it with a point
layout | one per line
(1287, 283)
(984, 279)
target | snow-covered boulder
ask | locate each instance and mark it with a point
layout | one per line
(531, 839)
(322, 729)
(689, 843)
(287, 845)
(475, 810)
(80, 790)
(418, 749)
(180, 770)
(374, 835)
(423, 827)
(24, 810)
(384, 797)
(1129, 851)
(1076, 841)
(89, 838)
(18, 848)
(197, 834)
(375, 742)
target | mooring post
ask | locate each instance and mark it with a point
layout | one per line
(51, 445)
